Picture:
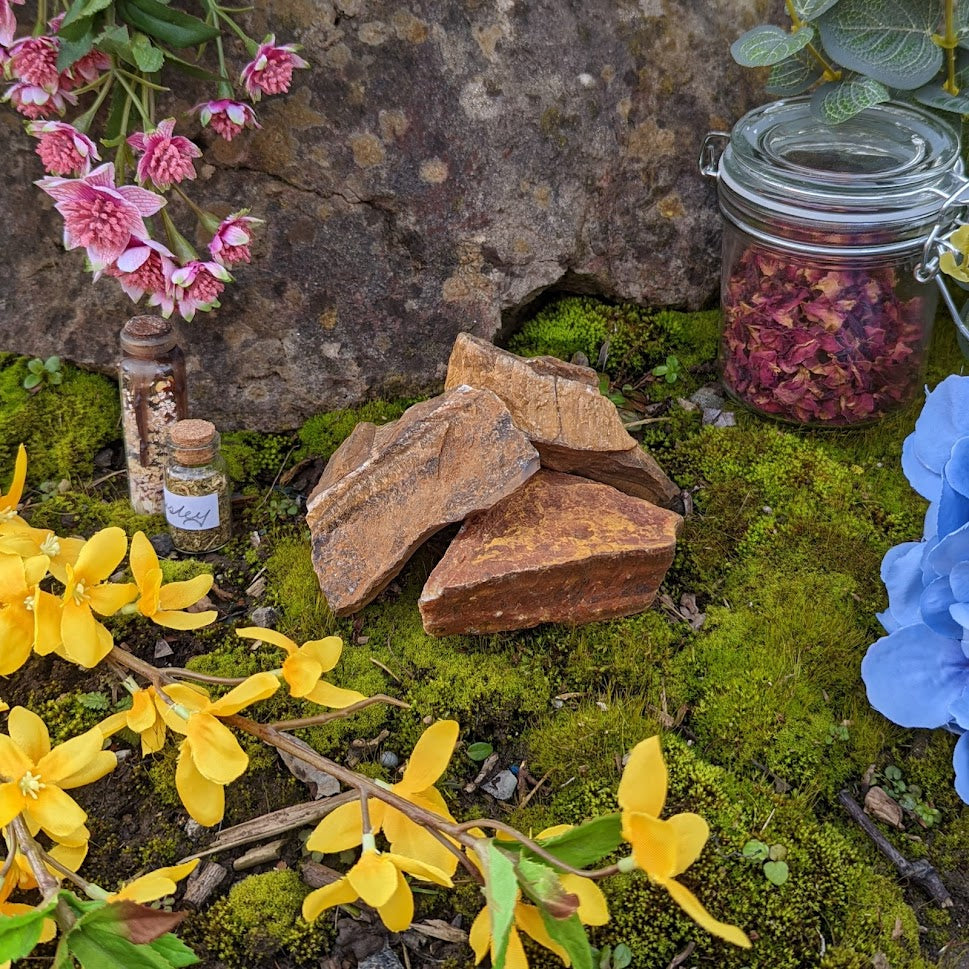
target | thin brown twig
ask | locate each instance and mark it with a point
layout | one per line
(339, 714)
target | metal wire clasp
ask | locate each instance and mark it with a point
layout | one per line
(710, 152)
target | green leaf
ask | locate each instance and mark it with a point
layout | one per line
(792, 76)
(776, 872)
(36, 365)
(56, 378)
(936, 96)
(98, 940)
(116, 40)
(544, 887)
(32, 380)
(887, 40)
(75, 41)
(809, 9)
(586, 843)
(193, 70)
(755, 850)
(52, 363)
(501, 892)
(571, 935)
(113, 135)
(768, 44)
(81, 9)
(480, 750)
(148, 57)
(170, 26)
(20, 933)
(172, 948)
(837, 102)
(622, 956)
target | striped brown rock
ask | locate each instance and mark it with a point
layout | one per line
(560, 549)
(558, 405)
(442, 460)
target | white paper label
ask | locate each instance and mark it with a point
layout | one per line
(192, 513)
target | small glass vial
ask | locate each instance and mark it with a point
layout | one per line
(825, 321)
(198, 504)
(151, 376)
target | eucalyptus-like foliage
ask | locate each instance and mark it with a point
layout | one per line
(857, 53)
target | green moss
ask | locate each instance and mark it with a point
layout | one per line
(78, 513)
(62, 426)
(260, 921)
(255, 459)
(323, 434)
(295, 589)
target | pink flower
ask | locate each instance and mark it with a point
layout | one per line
(271, 72)
(227, 118)
(146, 266)
(33, 101)
(89, 68)
(198, 286)
(8, 22)
(34, 61)
(98, 215)
(230, 244)
(63, 149)
(166, 158)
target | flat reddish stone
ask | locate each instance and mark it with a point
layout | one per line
(558, 405)
(440, 461)
(560, 549)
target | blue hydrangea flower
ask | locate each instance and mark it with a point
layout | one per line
(918, 675)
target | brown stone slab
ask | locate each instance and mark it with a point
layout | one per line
(440, 461)
(558, 405)
(560, 549)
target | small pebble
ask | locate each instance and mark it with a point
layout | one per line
(162, 544)
(104, 458)
(193, 829)
(708, 398)
(264, 616)
(502, 786)
(389, 759)
(384, 959)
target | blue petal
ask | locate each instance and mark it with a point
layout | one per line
(959, 580)
(960, 761)
(902, 575)
(914, 675)
(942, 422)
(954, 500)
(924, 480)
(951, 550)
(930, 528)
(960, 711)
(960, 614)
(934, 606)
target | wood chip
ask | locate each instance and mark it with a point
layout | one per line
(486, 768)
(260, 855)
(320, 783)
(882, 806)
(202, 882)
(439, 929)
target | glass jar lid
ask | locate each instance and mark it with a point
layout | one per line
(885, 171)
(145, 336)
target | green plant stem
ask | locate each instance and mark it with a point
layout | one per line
(40, 24)
(183, 674)
(250, 45)
(133, 98)
(208, 221)
(951, 42)
(224, 88)
(339, 714)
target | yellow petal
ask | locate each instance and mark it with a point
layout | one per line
(529, 920)
(430, 757)
(70, 757)
(11, 499)
(17, 637)
(156, 884)
(654, 844)
(70, 856)
(215, 750)
(108, 597)
(325, 651)
(328, 695)
(593, 909)
(268, 636)
(184, 620)
(691, 905)
(78, 838)
(554, 831)
(204, 800)
(181, 595)
(142, 558)
(256, 687)
(47, 622)
(374, 878)
(479, 936)
(70, 550)
(109, 726)
(340, 892)
(29, 733)
(11, 802)
(100, 555)
(691, 833)
(643, 785)
(397, 912)
(102, 763)
(150, 589)
(13, 582)
(142, 714)
(419, 869)
(412, 840)
(85, 641)
(302, 673)
(339, 830)
(515, 957)
(56, 812)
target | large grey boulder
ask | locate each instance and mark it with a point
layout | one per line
(443, 165)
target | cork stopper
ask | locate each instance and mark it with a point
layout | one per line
(145, 336)
(193, 441)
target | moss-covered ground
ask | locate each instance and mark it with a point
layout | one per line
(761, 708)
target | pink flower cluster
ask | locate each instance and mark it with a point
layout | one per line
(819, 345)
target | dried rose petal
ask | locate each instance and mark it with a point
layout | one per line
(819, 345)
